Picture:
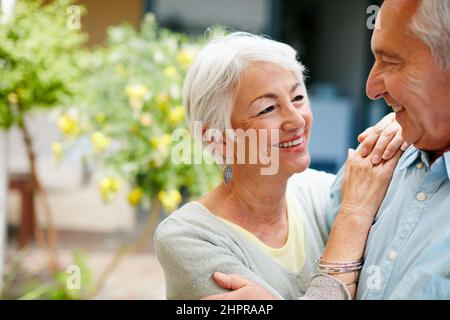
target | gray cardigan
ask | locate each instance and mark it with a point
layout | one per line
(192, 243)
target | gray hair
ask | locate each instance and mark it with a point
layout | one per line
(431, 23)
(208, 94)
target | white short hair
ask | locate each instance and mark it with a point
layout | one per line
(208, 94)
(431, 23)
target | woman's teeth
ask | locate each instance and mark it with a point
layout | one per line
(292, 143)
(398, 108)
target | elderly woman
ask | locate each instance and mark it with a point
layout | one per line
(269, 228)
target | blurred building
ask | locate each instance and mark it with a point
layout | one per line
(332, 39)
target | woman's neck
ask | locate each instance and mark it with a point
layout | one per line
(262, 197)
(254, 202)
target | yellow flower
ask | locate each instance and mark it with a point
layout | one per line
(57, 150)
(68, 125)
(170, 72)
(12, 98)
(137, 91)
(134, 129)
(161, 143)
(162, 101)
(169, 199)
(166, 139)
(146, 119)
(185, 57)
(135, 196)
(100, 141)
(108, 187)
(176, 115)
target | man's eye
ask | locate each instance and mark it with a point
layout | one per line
(390, 60)
(298, 98)
(267, 110)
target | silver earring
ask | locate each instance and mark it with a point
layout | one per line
(227, 174)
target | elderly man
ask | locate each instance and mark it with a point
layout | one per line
(408, 249)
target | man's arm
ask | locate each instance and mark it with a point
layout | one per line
(321, 287)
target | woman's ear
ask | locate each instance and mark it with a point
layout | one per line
(215, 141)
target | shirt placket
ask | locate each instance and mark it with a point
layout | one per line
(427, 184)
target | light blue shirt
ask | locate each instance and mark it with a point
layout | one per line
(408, 249)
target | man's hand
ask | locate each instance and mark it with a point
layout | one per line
(241, 289)
(383, 140)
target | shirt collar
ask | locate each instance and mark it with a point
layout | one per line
(447, 163)
(411, 155)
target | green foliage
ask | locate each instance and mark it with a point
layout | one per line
(38, 59)
(73, 283)
(60, 287)
(129, 104)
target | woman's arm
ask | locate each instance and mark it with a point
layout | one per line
(363, 191)
(364, 188)
(190, 256)
(350, 230)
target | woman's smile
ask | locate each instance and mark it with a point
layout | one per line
(296, 144)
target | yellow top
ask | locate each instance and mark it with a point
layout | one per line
(292, 255)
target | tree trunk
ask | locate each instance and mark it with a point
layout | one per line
(3, 192)
(51, 243)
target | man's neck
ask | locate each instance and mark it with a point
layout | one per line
(434, 155)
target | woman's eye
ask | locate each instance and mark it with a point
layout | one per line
(267, 110)
(298, 98)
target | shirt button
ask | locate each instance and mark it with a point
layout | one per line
(419, 165)
(392, 255)
(421, 196)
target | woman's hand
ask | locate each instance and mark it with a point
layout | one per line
(365, 184)
(363, 191)
(383, 140)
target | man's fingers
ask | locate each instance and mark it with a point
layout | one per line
(392, 163)
(387, 120)
(370, 136)
(405, 146)
(364, 134)
(230, 281)
(368, 144)
(395, 144)
(385, 138)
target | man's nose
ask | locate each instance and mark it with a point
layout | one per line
(375, 86)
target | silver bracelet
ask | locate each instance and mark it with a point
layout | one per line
(338, 267)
